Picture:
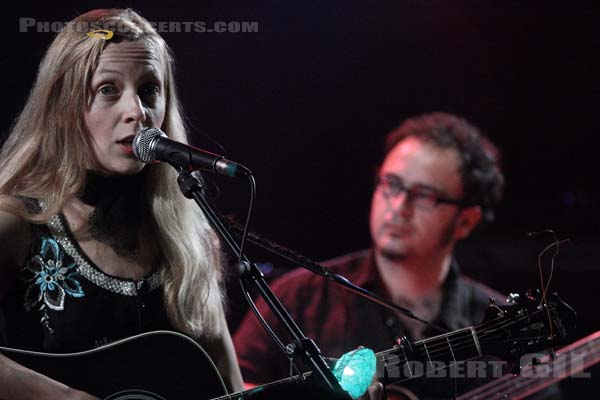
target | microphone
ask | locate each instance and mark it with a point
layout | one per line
(152, 144)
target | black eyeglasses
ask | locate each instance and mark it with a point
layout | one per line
(420, 196)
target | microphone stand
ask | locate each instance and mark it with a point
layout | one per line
(191, 188)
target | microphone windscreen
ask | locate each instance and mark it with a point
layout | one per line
(142, 144)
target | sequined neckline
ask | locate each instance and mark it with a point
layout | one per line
(90, 271)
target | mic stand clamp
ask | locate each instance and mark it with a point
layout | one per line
(191, 188)
(301, 347)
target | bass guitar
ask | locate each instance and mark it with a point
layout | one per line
(566, 362)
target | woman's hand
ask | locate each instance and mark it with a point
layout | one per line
(73, 394)
(375, 391)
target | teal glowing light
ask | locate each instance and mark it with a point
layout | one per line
(355, 371)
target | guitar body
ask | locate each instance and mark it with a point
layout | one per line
(160, 365)
(151, 366)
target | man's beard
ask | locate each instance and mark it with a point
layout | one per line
(446, 238)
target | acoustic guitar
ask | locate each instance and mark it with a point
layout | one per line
(164, 365)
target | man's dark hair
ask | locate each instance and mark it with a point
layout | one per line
(480, 171)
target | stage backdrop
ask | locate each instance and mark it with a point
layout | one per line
(304, 92)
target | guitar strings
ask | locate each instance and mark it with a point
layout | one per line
(484, 390)
(434, 349)
(491, 326)
(545, 286)
(456, 347)
(591, 349)
(467, 333)
(517, 382)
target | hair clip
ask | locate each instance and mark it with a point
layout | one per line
(103, 34)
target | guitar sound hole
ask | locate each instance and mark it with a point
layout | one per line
(134, 395)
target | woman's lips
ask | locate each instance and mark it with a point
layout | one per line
(126, 144)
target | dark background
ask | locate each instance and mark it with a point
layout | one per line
(306, 102)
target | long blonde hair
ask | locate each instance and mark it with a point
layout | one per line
(49, 150)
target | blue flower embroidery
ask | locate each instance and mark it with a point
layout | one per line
(50, 280)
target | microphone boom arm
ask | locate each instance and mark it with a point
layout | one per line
(321, 270)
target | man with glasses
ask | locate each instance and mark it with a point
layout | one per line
(439, 179)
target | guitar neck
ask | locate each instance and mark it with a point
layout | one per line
(393, 363)
(408, 361)
(568, 361)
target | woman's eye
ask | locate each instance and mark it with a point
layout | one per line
(107, 90)
(150, 90)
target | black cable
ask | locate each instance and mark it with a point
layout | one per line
(245, 291)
